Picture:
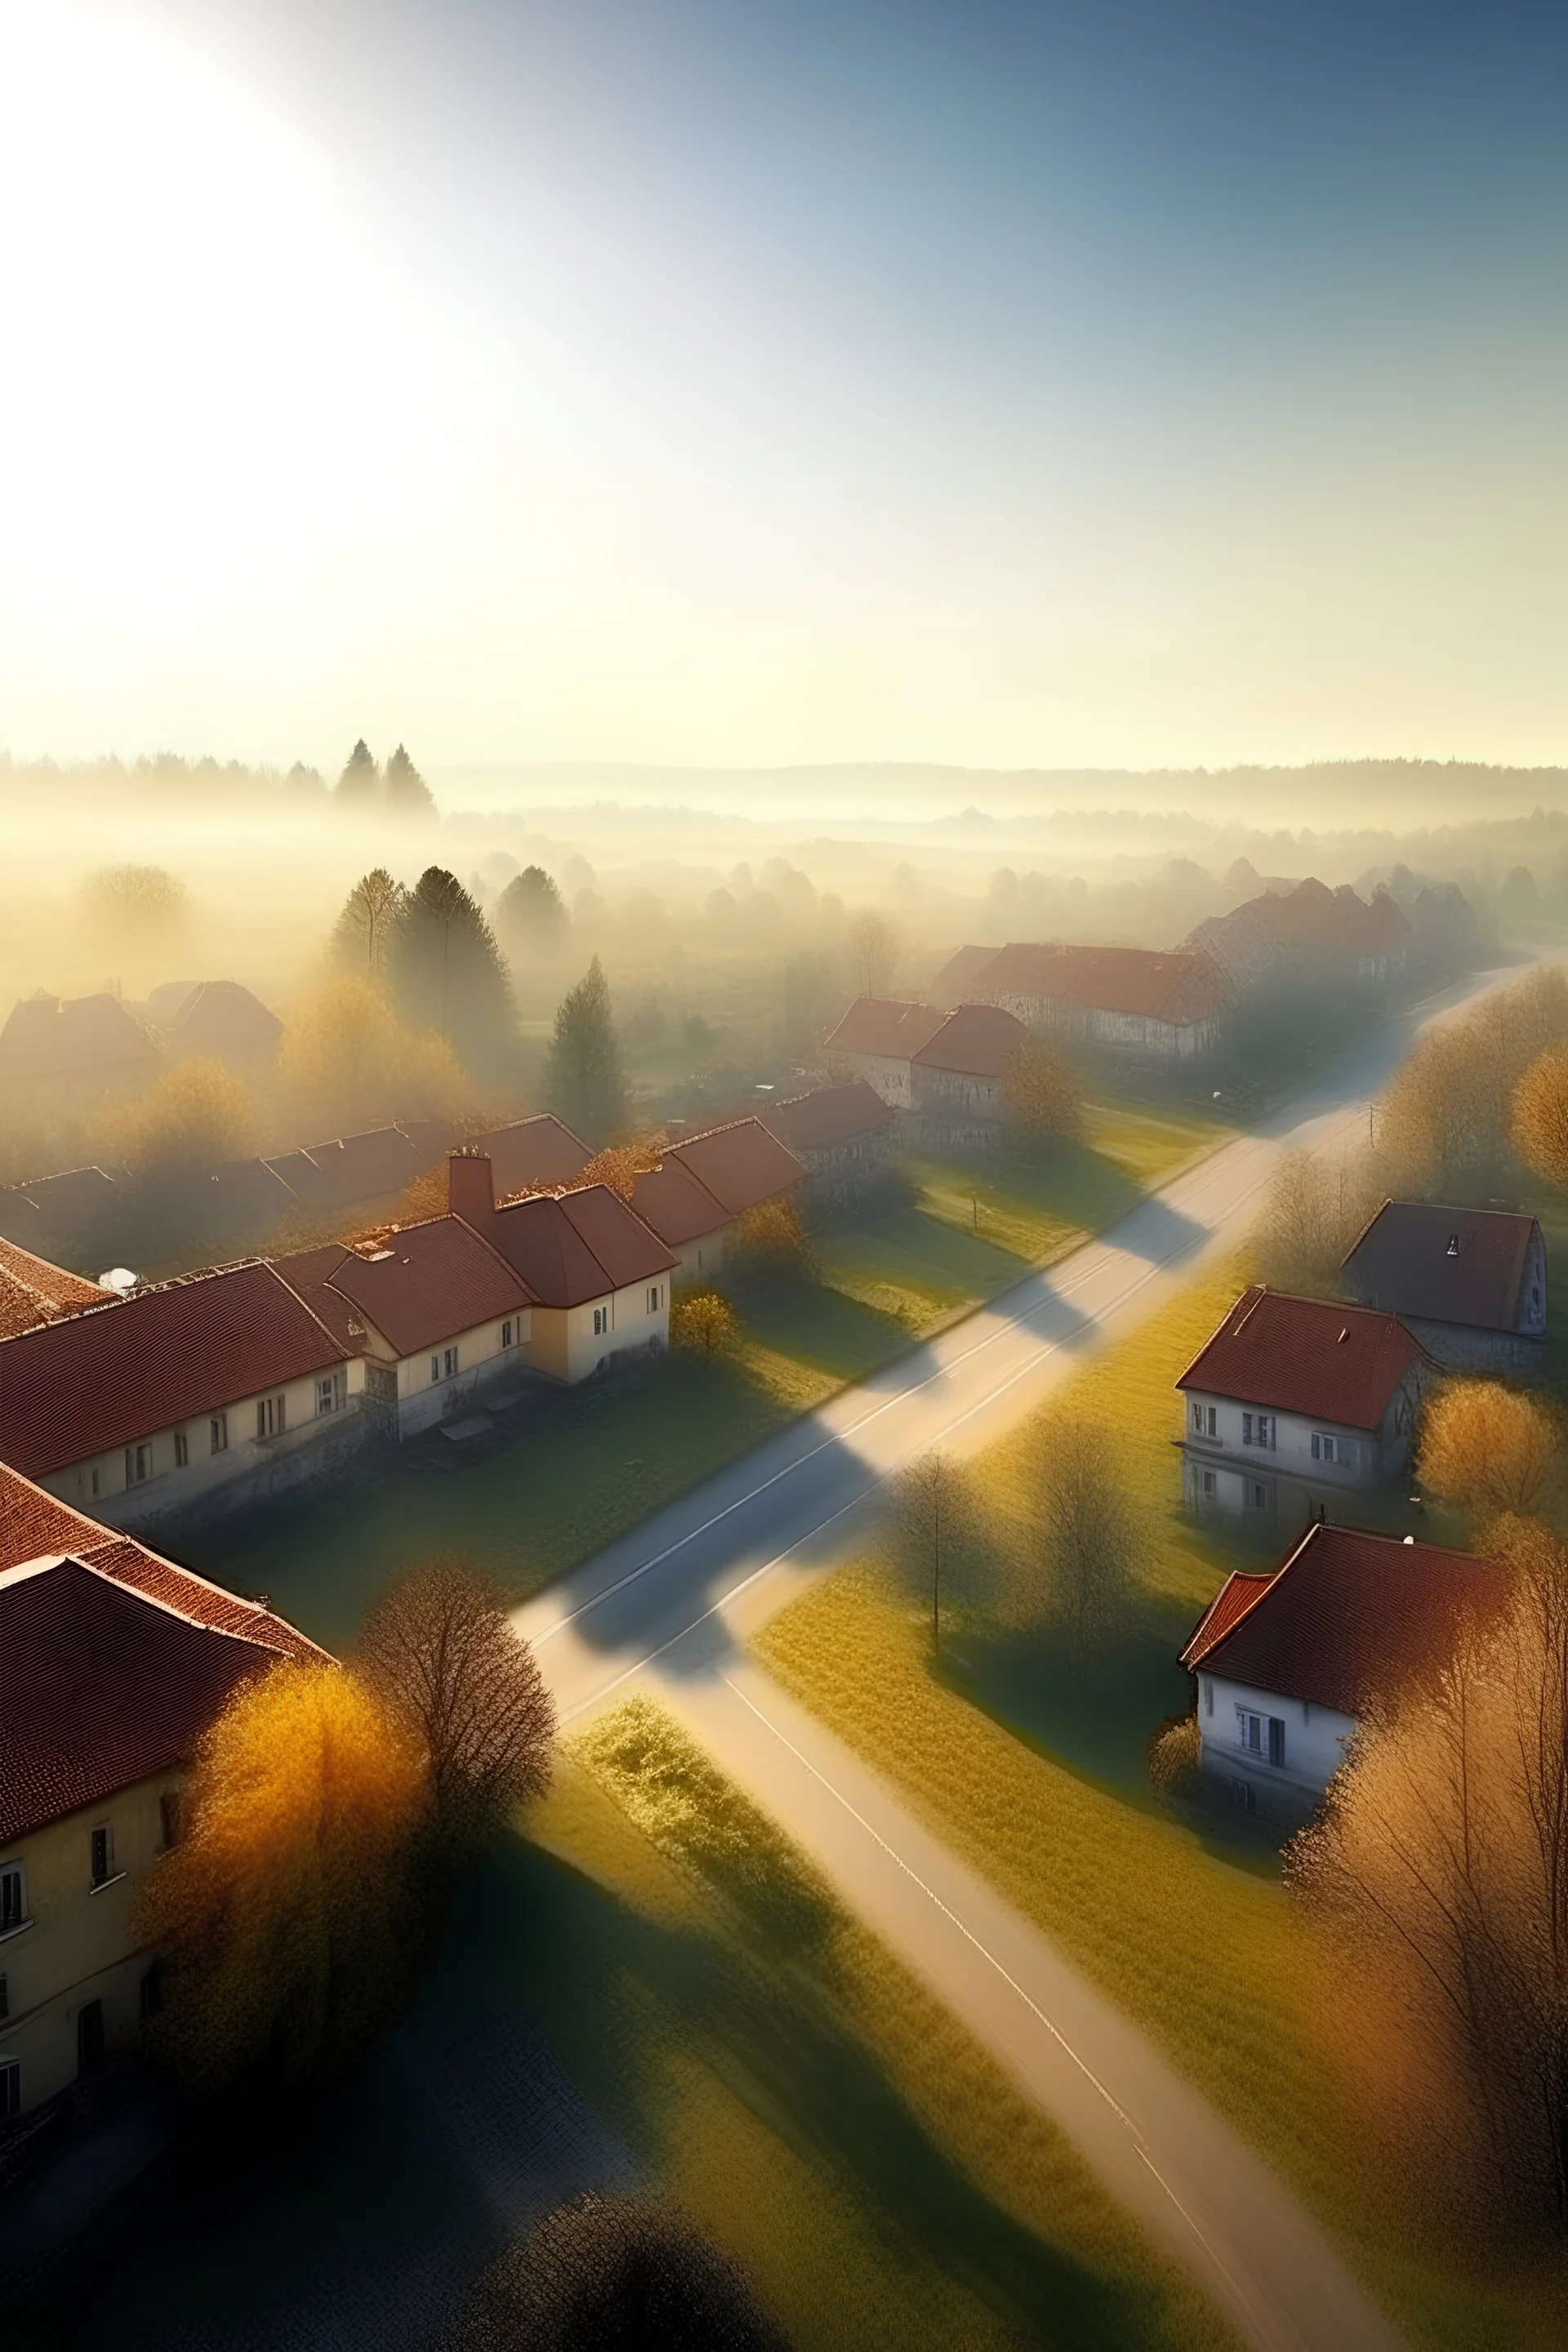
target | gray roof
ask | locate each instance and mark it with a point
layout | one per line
(1446, 1265)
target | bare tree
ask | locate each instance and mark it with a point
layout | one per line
(443, 1653)
(1441, 1865)
(362, 936)
(1088, 1532)
(1312, 1214)
(874, 949)
(931, 1503)
(136, 901)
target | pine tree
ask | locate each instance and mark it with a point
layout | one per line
(448, 973)
(583, 1082)
(531, 916)
(408, 793)
(360, 783)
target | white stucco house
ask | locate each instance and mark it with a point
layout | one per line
(1295, 1405)
(1286, 1663)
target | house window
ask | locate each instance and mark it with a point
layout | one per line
(95, 1481)
(601, 1321)
(1260, 1735)
(1259, 1494)
(182, 1449)
(10, 2088)
(1205, 1421)
(271, 1416)
(1342, 1450)
(653, 1298)
(435, 1370)
(138, 1465)
(103, 1855)
(13, 1898)
(169, 1815)
(331, 1394)
(506, 1334)
(1209, 1484)
(449, 1364)
(1258, 1429)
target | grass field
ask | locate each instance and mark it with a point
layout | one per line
(1035, 1774)
(819, 2112)
(570, 1470)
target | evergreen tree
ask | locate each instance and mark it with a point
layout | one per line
(448, 973)
(360, 783)
(408, 793)
(530, 916)
(583, 1083)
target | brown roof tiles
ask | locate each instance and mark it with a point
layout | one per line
(51, 1036)
(1177, 988)
(32, 1291)
(1331, 1362)
(741, 1164)
(424, 1283)
(978, 1041)
(1347, 1619)
(882, 1026)
(828, 1116)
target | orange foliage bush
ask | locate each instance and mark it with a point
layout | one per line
(1486, 1448)
(286, 1916)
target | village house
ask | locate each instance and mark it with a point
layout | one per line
(148, 1405)
(598, 1277)
(74, 1052)
(1306, 933)
(361, 1172)
(735, 1168)
(64, 1213)
(844, 1137)
(1295, 1404)
(32, 1291)
(113, 1664)
(1286, 1664)
(221, 1019)
(1469, 1283)
(1132, 1001)
(436, 1313)
(959, 1077)
(877, 1039)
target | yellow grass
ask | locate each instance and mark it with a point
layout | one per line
(644, 1811)
(1207, 1956)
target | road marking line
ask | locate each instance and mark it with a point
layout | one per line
(1052, 2028)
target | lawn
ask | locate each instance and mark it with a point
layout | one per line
(1035, 1773)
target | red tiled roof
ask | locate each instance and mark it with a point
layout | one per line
(219, 1016)
(978, 1041)
(828, 1116)
(99, 1687)
(1310, 919)
(50, 1036)
(122, 1372)
(353, 1168)
(879, 1024)
(1348, 1618)
(672, 1204)
(952, 983)
(1451, 1265)
(1178, 988)
(575, 1246)
(424, 1283)
(32, 1291)
(741, 1164)
(532, 1154)
(81, 1714)
(1331, 1362)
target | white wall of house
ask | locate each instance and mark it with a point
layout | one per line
(77, 1942)
(569, 1343)
(1125, 1033)
(702, 1259)
(887, 1074)
(183, 1464)
(436, 1382)
(1309, 1744)
(1232, 1447)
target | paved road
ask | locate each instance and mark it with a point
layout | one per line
(674, 1601)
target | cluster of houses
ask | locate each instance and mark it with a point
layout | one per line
(76, 1052)
(240, 1378)
(1299, 1411)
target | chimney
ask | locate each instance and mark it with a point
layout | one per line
(470, 1192)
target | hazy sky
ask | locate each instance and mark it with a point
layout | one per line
(1132, 381)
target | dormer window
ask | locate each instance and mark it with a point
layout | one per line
(1453, 1245)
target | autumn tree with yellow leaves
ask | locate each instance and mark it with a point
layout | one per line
(1486, 1449)
(346, 1063)
(288, 1919)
